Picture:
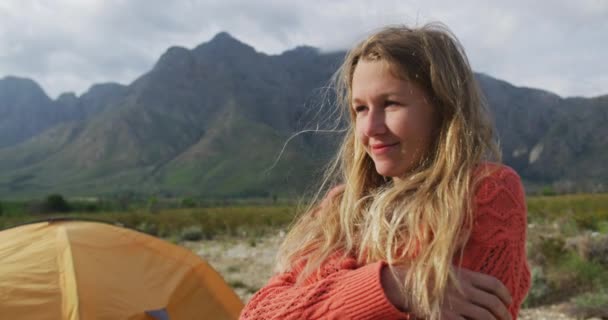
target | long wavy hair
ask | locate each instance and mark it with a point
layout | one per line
(424, 220)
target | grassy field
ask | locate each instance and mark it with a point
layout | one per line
(567, 236)
(568, 251)
(203, 223)
(578, 212)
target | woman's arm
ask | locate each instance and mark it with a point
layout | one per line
(494, 273)
(496, 250)
(497, 246)
(483, 297)
(342, 290)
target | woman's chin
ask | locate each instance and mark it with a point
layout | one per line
(391, 171)
(386, 172)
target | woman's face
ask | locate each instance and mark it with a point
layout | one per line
(393, 118)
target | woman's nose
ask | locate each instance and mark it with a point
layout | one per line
(374, 123)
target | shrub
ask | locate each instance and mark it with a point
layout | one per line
(574, 275)
(56, 203)
(234, 269)
(564, 267)
(148, 227)
(548, 191)
(192, 233)
(539, 289)
(188, 203)
(602, 227)
(552, 249)
(1, 209)
(237, 284)
(153, 205)
(590, 246)
(598, 249)
(90, 207)
(591, 304)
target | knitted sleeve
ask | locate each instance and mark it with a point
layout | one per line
(497, 245)
(342, 290)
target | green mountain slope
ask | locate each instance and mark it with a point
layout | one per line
(213, 121)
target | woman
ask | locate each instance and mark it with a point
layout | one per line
(423, 225)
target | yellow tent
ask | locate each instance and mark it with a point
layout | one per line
(77, 270)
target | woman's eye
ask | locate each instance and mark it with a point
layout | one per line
(389, 103)
(360, 108)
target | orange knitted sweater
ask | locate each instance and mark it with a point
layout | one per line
(346, 290)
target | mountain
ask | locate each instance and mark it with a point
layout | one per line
(25, 110)
(549, 140)
(210, 120)
(213, 121)
(573, 152)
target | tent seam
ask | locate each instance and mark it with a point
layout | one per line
(68, 270)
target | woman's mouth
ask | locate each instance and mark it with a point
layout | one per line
(381, 148)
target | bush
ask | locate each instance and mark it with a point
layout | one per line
(1, 209)
(591, 304)
(548, 191)
(148, 227)
(602, 227)
(539, 289)
(552, 249)
(590, 246)
(237, 284)
(188, 203)
(598, 249)
(56, 203)
(153, 205)
(234, 269)
(192, 233)
(574, 275)
(564, 267)
(88, 207)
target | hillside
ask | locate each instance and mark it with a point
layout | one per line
(213, 120)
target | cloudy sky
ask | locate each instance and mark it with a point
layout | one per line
(68, 45)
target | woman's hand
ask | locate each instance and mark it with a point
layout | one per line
(331, 194)
(483, 297)
(329, 197)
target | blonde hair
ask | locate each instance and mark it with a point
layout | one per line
(422, 221)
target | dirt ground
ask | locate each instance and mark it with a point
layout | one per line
(246, 265)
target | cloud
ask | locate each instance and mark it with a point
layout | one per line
(67, 45)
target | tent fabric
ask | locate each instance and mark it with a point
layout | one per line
(77, 270)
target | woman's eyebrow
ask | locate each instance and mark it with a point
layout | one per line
(387, 95)
(356, 101)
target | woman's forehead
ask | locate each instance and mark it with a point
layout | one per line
(378, 79)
